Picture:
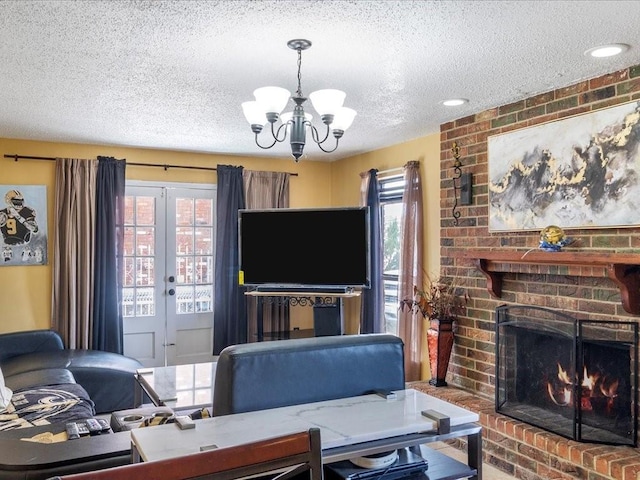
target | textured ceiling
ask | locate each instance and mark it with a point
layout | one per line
(172, 74)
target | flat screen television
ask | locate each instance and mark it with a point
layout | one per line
(317, 248)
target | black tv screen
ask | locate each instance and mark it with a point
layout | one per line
(326, 247)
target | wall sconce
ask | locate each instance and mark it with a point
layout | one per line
(465, 187)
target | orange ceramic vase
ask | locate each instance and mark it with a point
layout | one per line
(440, 343)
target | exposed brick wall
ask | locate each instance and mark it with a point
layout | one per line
(591, 296)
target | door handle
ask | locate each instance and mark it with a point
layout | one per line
(172, 292)
(171, 279)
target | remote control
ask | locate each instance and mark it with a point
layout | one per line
(82, 428)
(104, 425)
(72, 431)
(93, 425)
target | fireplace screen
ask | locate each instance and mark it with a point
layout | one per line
(576, 378)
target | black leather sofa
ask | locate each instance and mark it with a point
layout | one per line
(35, 361)
(257, 376)
(37, 358)
(248, 377)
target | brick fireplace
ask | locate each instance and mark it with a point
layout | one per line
(584, 290)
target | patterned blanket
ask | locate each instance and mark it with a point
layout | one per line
(45, 405)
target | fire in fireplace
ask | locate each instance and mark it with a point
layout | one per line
(577, 378)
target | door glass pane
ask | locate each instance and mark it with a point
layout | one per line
(204, 240)
(145, 241)
(204, 269)
(144, 271)
(181, 269)
(204, 298)
(184, 299)
(145, 211)
(129, 240)
(194, 255)
(129, 271)
(128, 302)
(184, 240)
(204, 211)
(129, 203)
(184, 211)
(184, 269)
(139, 261)
(145, 302)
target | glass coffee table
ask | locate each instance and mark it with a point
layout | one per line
(178, 387)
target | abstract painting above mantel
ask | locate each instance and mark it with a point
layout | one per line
(579, 172)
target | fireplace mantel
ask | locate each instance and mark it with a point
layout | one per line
(622, 268)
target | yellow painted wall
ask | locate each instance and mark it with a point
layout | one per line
(345, 181)
(25, 292)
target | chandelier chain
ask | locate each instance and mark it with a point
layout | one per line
(299, 91)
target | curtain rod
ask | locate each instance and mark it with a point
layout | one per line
(394, 170)
(390, 170)
(166, 166)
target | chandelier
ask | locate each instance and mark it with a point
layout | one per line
(271, 101)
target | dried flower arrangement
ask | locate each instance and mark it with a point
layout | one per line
(441, 299)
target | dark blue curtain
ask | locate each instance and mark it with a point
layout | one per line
(230, 310)
(372, 306)
(109, 235)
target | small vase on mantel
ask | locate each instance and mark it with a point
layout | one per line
(441, 301)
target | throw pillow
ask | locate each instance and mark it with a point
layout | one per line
(47, 404)
(5, 394)
(158, 419)
(198, 414)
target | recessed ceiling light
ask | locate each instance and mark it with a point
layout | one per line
(607, 50)
(454, 102)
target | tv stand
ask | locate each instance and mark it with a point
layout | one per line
(303, 289)
(310, 296)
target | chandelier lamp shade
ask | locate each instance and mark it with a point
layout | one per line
(271, 101)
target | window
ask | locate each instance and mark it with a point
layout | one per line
(391, 189)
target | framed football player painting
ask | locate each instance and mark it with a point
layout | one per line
(23, 225)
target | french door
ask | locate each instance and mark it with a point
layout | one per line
(169, 273)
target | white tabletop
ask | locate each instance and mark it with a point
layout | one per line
(345, 421)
